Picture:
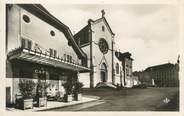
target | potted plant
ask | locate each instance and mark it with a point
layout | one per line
(41, 97)
(68, 91)
(77, 91)
(26, 88)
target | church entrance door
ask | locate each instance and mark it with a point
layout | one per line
(103, 72)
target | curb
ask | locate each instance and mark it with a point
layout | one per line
(70, 105)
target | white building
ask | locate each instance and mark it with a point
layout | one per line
(97, 40)
(38, 42)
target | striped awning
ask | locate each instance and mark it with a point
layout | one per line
(41, 58)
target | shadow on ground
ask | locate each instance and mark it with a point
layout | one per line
(150, 99)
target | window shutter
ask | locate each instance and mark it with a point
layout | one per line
(23, 43)
(29, 45)
(55, 53)
(51, 52)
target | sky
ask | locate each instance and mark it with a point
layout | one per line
(150, 32)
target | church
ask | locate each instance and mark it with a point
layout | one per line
(56, 56)
(108, 66)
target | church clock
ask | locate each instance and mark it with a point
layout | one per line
(103, 46)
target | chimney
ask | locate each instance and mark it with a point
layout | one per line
(178, 60)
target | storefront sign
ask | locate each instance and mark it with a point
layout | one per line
(40, 71)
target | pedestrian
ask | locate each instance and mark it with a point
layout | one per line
(117, 86)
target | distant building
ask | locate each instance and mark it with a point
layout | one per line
(143, 77)
(136, 80)
(126, 60)
(164, 75)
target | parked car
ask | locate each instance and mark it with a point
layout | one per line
(51, 95)
(55, 96)
(142, 86)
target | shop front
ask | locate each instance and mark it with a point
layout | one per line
(52, 72)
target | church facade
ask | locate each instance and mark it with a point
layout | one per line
(97, 40)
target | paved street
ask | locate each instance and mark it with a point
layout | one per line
(150, 99)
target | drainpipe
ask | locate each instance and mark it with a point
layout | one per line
(124, 75)
(7, 10)
(121, 83)
(91, 56)
(113, 60)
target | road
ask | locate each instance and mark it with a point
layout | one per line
(150, 99)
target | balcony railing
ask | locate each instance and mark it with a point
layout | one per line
(44, 57)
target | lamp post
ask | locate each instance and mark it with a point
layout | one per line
(41, 73)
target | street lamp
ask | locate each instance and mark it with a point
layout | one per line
(41, 74)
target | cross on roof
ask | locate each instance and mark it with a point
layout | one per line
(103, 13)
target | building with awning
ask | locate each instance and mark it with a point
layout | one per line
(44, 59)
(39, 45)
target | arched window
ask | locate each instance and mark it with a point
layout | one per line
(117, 68)
(103, 28)
(104, 72)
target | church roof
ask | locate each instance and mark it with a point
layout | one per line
(121, 55)
(82, 34)
(84, 31)
(39, 11)
(108, 26)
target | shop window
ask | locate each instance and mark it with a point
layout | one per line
(25, 73)
(26, 19)
(117, 68)
(54, 76)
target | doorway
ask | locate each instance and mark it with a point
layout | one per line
(8, 96)
(103, 73)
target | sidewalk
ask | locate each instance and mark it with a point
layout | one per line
(56, 104)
